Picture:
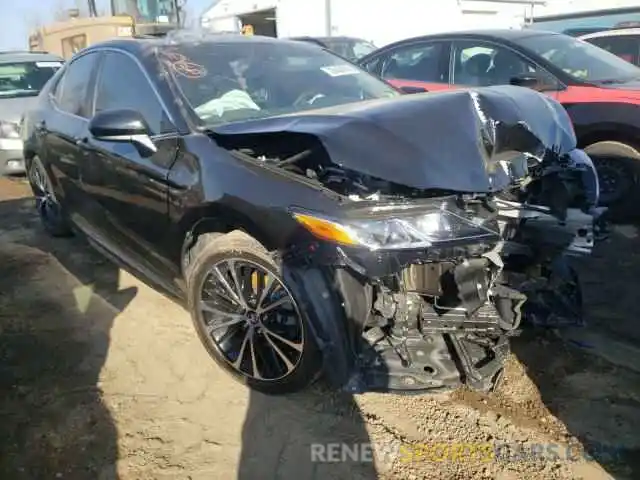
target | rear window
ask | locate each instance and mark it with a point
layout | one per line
(25, 78)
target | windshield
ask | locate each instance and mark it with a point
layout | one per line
(147, 11)
(580, 59)
(25, 78)
(226, 82)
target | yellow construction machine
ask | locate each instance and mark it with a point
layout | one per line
(128, 18)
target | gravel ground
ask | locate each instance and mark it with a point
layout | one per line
(101, 378)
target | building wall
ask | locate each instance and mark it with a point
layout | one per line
(227, 8)
(384, 21)
(559, 7)
(299, 18)
(544, 18)
(380, 21)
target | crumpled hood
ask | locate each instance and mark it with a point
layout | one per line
(461, 140)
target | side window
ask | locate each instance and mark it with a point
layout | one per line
(360, 49)
(420, 62)
(372, 65)
(71, 91)
(122, 84)
(481, 64)
(626, 47)
(56, 89)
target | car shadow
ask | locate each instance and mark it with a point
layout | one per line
(589, 377)
(58, 301)
(315, 434)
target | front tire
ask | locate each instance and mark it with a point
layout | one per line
(51, 212)
(618, 167)
(247, 318)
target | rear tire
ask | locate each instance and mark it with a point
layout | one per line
(51, 212)
(215, 298)
(618, 166)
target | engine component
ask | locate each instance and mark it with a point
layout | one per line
(425, 279)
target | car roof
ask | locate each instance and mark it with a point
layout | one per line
(139, 45)
(317, 40)
(340, 38)
(612, 33)
(493, 34)
(23, 57)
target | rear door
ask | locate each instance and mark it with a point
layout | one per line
(418, 64)
(62, 126)
(128, 187)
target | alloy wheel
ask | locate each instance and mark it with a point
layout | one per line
(251, 318)
(46, 203)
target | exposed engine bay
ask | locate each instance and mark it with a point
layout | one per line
(458, 213)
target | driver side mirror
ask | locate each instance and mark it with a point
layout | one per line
(122, 126)
(528, 80)
(412, 89)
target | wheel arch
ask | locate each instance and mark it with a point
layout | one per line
(612, 132)
(216, 219)
(327, 319)
(29, 152)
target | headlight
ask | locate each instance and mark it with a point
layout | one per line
(9, 129)
(400, 231)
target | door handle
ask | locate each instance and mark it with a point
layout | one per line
(42, 125)
(82, 141)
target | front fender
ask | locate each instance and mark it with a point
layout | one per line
(312, 290)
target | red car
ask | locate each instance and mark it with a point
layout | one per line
(600, 91)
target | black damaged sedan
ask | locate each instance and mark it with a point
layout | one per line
(313, 219)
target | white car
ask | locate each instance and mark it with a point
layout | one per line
(624, 42)
(22, 76)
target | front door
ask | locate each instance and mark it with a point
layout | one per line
(64, 125)
(128, 185)
(420, 64)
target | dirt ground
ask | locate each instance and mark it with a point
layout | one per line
(102, 378)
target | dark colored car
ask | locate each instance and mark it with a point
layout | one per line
(310, 217)
(348, 47)
(600, 91)
(22, 76)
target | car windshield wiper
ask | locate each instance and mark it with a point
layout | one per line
(612, 81)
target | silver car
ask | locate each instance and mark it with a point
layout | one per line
(22, 76)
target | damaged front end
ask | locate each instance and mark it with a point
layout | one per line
(552, 218)
(419, 283)
(456, 212)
